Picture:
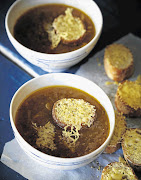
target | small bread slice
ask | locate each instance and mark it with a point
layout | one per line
(71, 29)
(128, 98)
(120, 128)
(118, 62)
(73, 112)
(131, 146)
(118, 171)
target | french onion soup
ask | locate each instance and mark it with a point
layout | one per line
(54, 29)
(62, 121)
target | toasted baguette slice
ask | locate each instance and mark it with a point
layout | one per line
(71, 29)
(128, 98)
(131, 146)
(120, 128)
(118, 62)
(118, 171)
(73, 112)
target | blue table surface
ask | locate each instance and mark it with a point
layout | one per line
(117, 23)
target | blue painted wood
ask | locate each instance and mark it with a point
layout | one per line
(11, 78)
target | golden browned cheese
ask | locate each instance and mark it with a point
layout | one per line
(73, 114)
(131, 146)
(128, 98)
(118, 171)
(118, 62)
(46, 136)
(69, 28)
(66, 27)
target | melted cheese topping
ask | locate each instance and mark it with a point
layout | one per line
(69, 27)
(118, 171)
(74, 113)
(46, 136)
(52, 36)
(66, 27)
(132, 144)
(130, 93)
(119, 56)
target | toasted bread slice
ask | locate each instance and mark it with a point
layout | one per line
(131, 146)
(118, 62)
(73, 112)
(71, 29)
(118, 171)
(120, 128)
(128, 98)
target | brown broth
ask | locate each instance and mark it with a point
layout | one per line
(33, 110)
(29, 30)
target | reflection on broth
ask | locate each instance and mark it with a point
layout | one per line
(36, 125)
(40, 29)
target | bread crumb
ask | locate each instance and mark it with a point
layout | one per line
(122, 160)
(111, 83)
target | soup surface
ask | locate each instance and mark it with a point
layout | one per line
(29, 29)
(35, 112)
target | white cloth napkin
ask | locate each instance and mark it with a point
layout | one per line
(14, 157)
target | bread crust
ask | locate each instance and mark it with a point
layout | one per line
(130, 157)
(123, 107)
(112, 148)
(120, 128)
(113, 72)
(55, 118)
(121, 166)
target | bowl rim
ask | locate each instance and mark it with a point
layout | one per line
(60, 54)
(50, 157)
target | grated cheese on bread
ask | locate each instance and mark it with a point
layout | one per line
(65, 28)
(71, 114)
(69, 28)
(120, 128)
(118, 62)
(118, 171)
(131, 146)
(53, 37)
(128, 98)
(46, 136)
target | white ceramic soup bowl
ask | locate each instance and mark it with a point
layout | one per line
(53, 62)
(68, 80)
